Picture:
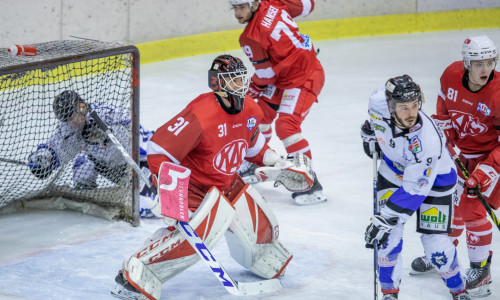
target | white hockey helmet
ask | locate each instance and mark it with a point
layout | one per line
(478, 48)
(236, 2)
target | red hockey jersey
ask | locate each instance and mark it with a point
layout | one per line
(475, 116)
(271, 40)
(209, 141)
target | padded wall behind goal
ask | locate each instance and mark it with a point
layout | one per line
(100, 73)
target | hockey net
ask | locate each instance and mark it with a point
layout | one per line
(99, 72)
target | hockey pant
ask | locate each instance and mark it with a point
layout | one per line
(291, 106)
(471, 215)
(433, 223)
(86, 169)
(167, 253)
(253, 236)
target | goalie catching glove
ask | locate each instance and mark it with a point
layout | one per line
(294, 173)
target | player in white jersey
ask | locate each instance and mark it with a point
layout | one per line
(77, 135)
(416, 173)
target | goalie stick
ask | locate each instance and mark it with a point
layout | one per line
(13, 161)
(466, 174)
(232, 286)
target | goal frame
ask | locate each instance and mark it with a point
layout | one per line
(134, 107)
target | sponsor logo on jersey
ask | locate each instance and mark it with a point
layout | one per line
(229, 158)
(466, 124)
(467, 102)
(374, 117)
(415, 145)
(483, 108)
(433, 218)
(427, 172)
(439, 259)
(383, 200)
(237, 125)
(269, 18)
(251, 123)
(379, 127)
(422, 182)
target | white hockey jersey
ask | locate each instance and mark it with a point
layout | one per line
(420, 163)
(67, 141)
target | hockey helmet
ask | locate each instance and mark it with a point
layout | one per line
(478, 48)
(237, 2)
(228, 77)
(66, 103)
(402, 89)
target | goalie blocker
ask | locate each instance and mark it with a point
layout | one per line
(251, 230)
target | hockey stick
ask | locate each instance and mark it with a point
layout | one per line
(376, 210)
(232, 286)
(466, 174)
(13, 161)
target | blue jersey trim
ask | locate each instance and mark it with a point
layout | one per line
(404, 202)
(446, 179)
(391, 166)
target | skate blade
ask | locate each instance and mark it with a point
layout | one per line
(417, 273)
(123, 293)
(481, 291)
(311, 199)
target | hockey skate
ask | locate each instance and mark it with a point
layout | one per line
(124, 290)
(478, 278)
(463, 295)
(247, 172)
(312, 196)
(390, 296)
(421, 265)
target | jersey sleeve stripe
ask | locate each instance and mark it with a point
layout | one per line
(307, 6)
(154, 148)
(255, 149)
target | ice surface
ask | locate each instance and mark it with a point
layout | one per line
(66, 255)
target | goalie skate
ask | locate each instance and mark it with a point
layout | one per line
(125, 290)
(312, 196)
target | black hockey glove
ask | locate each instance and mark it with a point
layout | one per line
(379, 230)
(43, 161)
(368, 136)
(92, 133)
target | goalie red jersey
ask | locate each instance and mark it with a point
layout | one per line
(474, 116)
(202, 139)
(280, 54)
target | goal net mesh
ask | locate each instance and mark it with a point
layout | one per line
(85, 176)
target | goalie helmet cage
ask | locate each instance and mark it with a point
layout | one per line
(99, 72)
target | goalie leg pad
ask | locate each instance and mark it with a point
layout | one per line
(170, 253)
(253, 236)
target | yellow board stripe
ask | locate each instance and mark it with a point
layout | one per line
(326, 29)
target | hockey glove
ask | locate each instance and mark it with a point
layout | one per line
(254, 90)
(482, 177)
(296, 174)
(370, 140)
(444, 122)
(43, 161)
(92, 134)
(379, 230)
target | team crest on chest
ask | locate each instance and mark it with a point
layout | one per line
(415, 145)
(229, 158)
(251, 123)
(484, 109)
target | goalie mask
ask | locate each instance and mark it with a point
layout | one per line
(402, 89)
(478, 48)
(228, 78)
(67, 103)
